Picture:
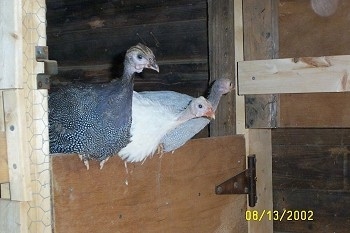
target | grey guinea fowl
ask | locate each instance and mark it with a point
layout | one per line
(94, 120)
(152, 120)
(184, 132)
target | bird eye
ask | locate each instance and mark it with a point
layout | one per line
(139, 56)
(200, 106)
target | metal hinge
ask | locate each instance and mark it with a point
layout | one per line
(243, 183)
(50, 67)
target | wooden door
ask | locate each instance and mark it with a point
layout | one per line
(171, 193)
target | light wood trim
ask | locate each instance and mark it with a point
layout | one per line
(11, 47)
(16, 141)
(294, 75)
(13, 216)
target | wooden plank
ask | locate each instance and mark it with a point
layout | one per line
(172, 193)
(2, 114)
(102, 45)
(328, 208)
(321, 183)
(4, 170)
(10, 44)
(221, 60)
(304, 33)
(13, 217)
(16, 142)
(5, 191)
(294, 75)
(324, 110)
(260, 34)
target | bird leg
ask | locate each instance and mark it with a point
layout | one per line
(160, 149)
(86, 163)
(103, 162)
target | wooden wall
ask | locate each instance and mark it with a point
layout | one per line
(310, 166)
(89, 40)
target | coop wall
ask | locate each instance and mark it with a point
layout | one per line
(310, 166)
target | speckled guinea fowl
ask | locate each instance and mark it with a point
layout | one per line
(152, 120)
(184, 132)
(94, 120)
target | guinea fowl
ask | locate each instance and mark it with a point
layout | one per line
(152, 120)
(185, 131)
(94, 120)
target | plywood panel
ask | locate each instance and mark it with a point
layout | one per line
(174, 193)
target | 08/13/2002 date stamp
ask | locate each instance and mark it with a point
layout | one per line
(276, 215)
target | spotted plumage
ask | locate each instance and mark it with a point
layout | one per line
(94, 120)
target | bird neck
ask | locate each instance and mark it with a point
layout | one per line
(129, 70)
(185, 116)
(214, 98)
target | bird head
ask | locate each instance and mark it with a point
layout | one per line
(201, 107)
(223, 85)
(139, 57)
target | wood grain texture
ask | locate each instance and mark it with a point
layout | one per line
(4, 170)
(326, 110)
(304, 33)
(221, 62)
(12, 216)
(174, 193)
(260, 35)
(311, 172)
(294, 75)
(17, 145)
(329, 214)
(11, 48)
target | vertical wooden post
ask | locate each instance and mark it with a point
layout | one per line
(257, 34)
(13, 217)
(17, 146)
(221, 62)
(11, 44)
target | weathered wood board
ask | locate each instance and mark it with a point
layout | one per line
(172, 193)
(311, 173)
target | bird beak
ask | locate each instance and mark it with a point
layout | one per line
(153, 66)
(210, 114)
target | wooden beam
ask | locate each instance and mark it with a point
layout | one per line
(221, 62)
(260, 41)
(16, 141)
(294, 75)
(13, 216)
(10, 44)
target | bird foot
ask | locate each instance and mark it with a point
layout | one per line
(86, 163)
(160, 149)
(103, 162)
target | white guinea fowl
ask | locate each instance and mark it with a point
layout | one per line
(184, 132)
(151, 121)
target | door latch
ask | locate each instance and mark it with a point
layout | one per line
(242, 183)
(50, 67)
